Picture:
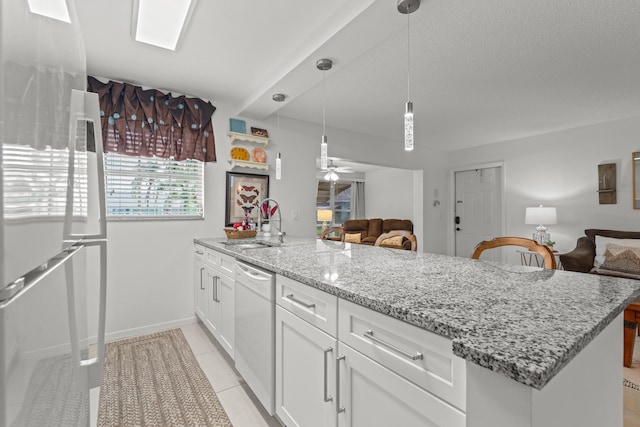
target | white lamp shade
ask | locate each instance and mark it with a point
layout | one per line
(541, 215)
(325, 215)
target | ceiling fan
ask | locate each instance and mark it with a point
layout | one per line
(331, 171)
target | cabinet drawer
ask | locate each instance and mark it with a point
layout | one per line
(199, 251)
(225, 264)
(422, 357)
(316, 307)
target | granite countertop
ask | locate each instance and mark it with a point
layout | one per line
(524, 322)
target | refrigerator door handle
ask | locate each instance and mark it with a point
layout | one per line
(85, 106)
(30, 279)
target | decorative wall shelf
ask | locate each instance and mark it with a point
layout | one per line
(244, 164)
(235, 136)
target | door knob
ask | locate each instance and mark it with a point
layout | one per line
(457, 228)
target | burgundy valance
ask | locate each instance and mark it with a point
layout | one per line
(149, 123)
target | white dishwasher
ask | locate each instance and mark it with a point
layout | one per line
(255, 331)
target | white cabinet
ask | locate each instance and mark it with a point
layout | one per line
(214, 287)
(372, 395)
(305, 373)
(199, 283)
(306, 349)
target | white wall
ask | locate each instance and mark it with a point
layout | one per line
(389, 193)
(561, 169)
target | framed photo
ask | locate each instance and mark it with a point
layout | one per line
(244, 192)
(259, 132)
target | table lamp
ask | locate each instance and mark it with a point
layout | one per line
(541, 215)
(325, 215)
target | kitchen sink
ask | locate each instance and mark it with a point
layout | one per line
(254, 244)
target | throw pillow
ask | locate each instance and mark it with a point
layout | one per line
(625, 259)
(352, 237)
(392, 241)
(601, 247)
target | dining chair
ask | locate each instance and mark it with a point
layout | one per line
(393, 233)
(328, 234)
(529, 244)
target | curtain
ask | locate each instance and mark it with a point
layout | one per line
(148, 123)
(357, 200)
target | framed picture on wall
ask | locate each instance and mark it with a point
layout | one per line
(244, 192)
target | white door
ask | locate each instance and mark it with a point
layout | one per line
(478, 214)
(373, 396)
(305, 373)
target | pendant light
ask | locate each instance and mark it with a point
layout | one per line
(324, 65)
(278, 97)
(408, 7)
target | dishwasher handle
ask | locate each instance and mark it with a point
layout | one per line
(254, 274)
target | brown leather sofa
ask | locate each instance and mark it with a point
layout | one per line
(581, 258)
(371, 229)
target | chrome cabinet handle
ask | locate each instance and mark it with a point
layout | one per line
(201, 270)
(339, 407)
(326, 398)
(200, 252)
(302, 303)
(216, 280)
(417, 356)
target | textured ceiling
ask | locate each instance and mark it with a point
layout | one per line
(482, 71)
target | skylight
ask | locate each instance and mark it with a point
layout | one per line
(55, 9)
(161, 22)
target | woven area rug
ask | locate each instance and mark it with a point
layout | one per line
(155, 380)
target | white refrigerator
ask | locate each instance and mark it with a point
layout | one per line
(53, 226)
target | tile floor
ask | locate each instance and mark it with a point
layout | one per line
(241, 405)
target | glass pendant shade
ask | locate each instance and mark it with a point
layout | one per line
(323, 153)
(278, 167)
(408, 127)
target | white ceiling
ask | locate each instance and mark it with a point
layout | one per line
(482, 71)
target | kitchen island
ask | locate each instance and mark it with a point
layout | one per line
(541, 347)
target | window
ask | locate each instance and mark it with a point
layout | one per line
(151, 187)
(155, 145)
(335, 196)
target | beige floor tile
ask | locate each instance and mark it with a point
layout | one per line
(220, 373)
(198, 338)
(243, 409)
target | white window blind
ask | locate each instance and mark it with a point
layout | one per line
(152, 187)
(35, 182)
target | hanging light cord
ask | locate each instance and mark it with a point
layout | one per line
(324, 102)
(408, 52)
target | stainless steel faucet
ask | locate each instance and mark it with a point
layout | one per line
(281, 233)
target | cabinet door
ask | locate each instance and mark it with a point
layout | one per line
(213, 302)
(227, 297)
(372, 395)
(200, 289)
(305, 373)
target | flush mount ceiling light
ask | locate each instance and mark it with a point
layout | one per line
(55, 9)
(161, 22)
(408, 7)
(278, 97)
(324, 65)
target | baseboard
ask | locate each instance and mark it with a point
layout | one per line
(149, 329)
